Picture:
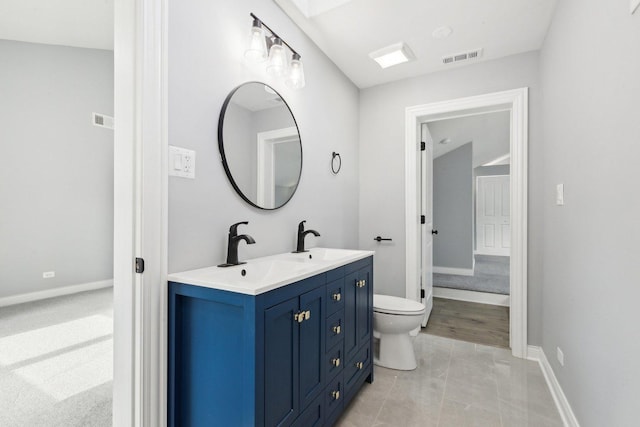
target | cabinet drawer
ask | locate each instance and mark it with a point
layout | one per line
(334, 330)
(335, 296)
(356, 367)
(334, 395)
(313, 416)
(334, 362)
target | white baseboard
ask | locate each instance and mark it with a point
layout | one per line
(56, 292)
(472, 296)
(569, 419)
(457, 271)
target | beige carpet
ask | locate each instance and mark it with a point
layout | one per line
(56, 361)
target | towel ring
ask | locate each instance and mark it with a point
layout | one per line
(335, 169)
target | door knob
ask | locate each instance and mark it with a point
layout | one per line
(434, 231)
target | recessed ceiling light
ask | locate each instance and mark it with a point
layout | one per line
(392, 55)
(442, 32)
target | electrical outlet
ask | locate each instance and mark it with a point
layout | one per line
(560, 194)
(560, 356)
(48, 274)
(182, 162)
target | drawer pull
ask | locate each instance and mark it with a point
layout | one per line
(336, 297)
(359, 365)
(336, 329)
(299, 317)
(335, 361)
(361, 283)
(335, 394)
(307, 315)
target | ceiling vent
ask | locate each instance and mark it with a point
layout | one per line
(102, 121)
(463, 56)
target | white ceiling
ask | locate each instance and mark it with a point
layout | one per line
(489, 133)
(78, 23)
(348, 31)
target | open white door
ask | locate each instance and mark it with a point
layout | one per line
(426, 236)
(493, 219)
(140, 217)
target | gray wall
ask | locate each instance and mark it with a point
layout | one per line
(206, 47)
(382, 118)
(590, 69)
(453, 208)
(56, 180)
(491, 170)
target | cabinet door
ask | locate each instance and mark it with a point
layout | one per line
(364, 304)
(281, 364)
(312, 345)
(350, 315)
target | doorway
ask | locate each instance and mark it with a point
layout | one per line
(514, 101)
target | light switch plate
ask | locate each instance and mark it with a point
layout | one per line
(633, 5)
(182, 162)
(560, 194)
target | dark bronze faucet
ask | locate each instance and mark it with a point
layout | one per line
(301, 235)
(232, 247)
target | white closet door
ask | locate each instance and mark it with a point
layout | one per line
(493, 219)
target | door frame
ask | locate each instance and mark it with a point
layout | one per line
(265, 168)
(515, 101)
(140, 212)
(476, 208)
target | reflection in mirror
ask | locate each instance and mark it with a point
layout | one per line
(260, 145)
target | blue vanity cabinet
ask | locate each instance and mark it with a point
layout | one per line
(358, 291)
(264, 360)
(294, 363)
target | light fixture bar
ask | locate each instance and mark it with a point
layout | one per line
(273, 33)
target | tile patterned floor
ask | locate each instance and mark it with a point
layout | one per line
(456, 384)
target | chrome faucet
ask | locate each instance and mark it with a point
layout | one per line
(301, 235)
(232, 247)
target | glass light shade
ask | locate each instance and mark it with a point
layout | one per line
(257, 44)
(277, 65)
(295, 78)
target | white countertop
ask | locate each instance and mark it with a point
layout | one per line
(267, 273)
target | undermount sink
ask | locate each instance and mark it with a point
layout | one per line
(264, 274)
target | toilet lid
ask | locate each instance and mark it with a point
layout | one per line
(396, 305)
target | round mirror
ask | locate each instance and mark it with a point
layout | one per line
(260, 145)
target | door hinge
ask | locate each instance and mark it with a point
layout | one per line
(423, 219)
(139, 265)
(422, 294)
(423, 146)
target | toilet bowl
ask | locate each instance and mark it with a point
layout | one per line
(393, 319)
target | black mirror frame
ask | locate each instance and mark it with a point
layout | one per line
(224, 158)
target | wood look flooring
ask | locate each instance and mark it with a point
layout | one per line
(468, 321)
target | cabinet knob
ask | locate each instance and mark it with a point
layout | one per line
(359, 365)
(361, 283)
(336, 329)
(307, 315)
(299, 317)
(335, 362)
(336, 297)
(335, 394)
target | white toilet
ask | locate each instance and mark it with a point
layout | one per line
(393, 319)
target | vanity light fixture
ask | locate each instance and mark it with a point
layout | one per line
(278, 64)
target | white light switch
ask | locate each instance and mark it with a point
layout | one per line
(633, 5)
(560, 194)
(177, 161)
(183, 162)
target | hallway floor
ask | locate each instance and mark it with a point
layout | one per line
(469, 321)
(491, 274)
(456, 384)
(56, 361)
